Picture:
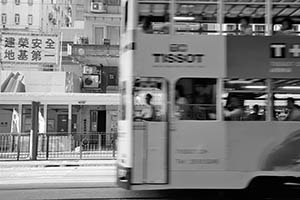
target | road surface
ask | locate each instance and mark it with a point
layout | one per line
(96, 182)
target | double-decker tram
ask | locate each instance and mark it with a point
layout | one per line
(210, 94)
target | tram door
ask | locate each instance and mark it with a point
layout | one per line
(150, 135)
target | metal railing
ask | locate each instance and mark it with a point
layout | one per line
(101, 145)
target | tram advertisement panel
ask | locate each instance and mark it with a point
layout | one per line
(276, 56)
(268, 146)
(157, 55)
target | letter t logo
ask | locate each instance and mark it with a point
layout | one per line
(277, 50)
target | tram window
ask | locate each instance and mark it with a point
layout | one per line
(285, 18)
(244, 99)
(150, 99)
(196, 17)
(154, 17)
(286, 99)
(284, 26)
(195, 99)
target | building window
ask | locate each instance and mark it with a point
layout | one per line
(99, 35)
(30, 2)
(4, 1)
(3, 18)
(17, 19)
(113, 34)
(17, 2)
(30, 19)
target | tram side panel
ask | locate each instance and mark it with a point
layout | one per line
(264, 147)
(195, 147)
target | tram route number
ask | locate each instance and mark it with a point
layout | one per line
(197, 161)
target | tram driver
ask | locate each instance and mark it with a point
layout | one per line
(148, 111)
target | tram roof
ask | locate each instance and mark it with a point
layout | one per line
(206, 10)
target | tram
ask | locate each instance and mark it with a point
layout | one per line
(221, 117)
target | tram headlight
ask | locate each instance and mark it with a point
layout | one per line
(122, 175)
(121, 172)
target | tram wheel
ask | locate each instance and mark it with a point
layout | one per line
(265, 186)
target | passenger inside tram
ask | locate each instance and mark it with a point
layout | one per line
(234, 110)
(246, 28)
(165, 29)
(195, 99)
(293, 110)
(255, 115)
(202, 94)
(181, 101)
(203, 99)
(147, 25)
(286, 27)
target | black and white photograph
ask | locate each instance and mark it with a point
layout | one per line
(150, 99)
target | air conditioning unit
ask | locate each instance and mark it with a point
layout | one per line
(98, 7)
(91, 80)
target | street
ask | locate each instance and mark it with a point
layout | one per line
(62, 182)
(97, 182)
(28, 178)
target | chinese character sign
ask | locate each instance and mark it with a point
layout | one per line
(33, 49)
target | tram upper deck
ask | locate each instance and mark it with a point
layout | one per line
(215, 17)
(188, 37)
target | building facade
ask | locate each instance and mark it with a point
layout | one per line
(80, 95)
(35, 15)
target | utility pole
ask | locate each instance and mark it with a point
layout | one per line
(34, 130)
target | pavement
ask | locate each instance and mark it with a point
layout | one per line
(57, 163)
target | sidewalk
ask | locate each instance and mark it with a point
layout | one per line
(56, 163)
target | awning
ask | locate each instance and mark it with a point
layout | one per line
(61, 98)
